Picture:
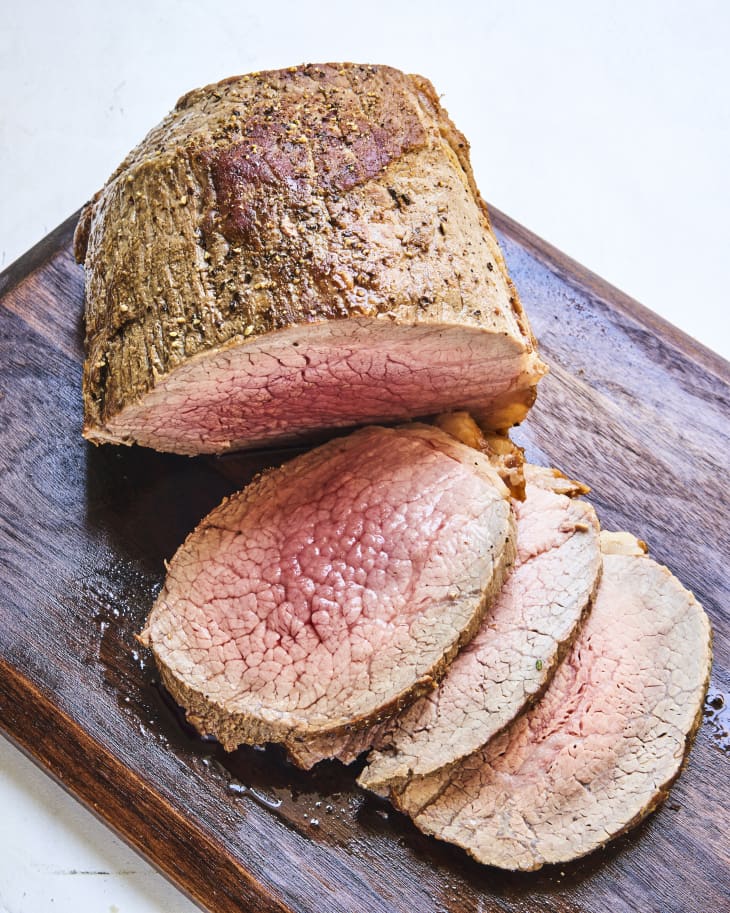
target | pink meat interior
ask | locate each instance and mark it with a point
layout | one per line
(610, 732)
(332, 584)
(332, 375)
(493, 677)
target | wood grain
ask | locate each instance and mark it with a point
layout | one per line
(632, 406)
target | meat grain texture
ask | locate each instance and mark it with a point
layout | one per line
(293, 251)
(332, 590)
(511, 658)
(600, 750)
(516, 650)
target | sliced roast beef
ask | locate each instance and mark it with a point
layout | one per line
(599, 751)
(517, 648)
(334, 589)
(291, 251)
(509, 661)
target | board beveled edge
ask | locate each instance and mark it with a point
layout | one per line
(171, 843)
(574, 274)
(26, 264)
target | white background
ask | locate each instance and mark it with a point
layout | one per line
(603, 127)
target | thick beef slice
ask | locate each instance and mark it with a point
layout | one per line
(333, 589)
(296, 250)
(602, 747)
(516, 650)
(509, 661)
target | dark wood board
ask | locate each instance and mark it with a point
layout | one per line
(632, 407)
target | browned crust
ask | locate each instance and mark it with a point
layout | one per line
(460, 146)
(83, 227)
(313, 193)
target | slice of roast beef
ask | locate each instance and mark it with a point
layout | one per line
(334, 589)
(600, 750)
(509, 661)
(292, 251)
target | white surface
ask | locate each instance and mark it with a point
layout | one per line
(603, 127)
(55, 856)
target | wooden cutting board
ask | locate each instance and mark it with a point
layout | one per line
(632, 407)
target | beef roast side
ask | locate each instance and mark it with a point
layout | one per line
(507, 665)
(600, 750)
(291, 251)
(334, 589)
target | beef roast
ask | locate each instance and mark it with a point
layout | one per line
(601, 748)
(509, 661)
(332, 589)
(297, 250)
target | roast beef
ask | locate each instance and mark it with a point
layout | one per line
(291, 251)
(333, 589)
(600, 750)
(509, 661)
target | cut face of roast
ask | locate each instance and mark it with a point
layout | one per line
(290, 383)
(334, 589)
(293, 251)
(601, 748)
(511, 658)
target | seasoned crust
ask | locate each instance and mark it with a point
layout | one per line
(281, 199)
(83, 227)
(460, 148)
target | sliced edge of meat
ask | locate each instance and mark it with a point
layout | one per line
(601, 749)
(515, 652)
(332, 590)
(510, 660)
